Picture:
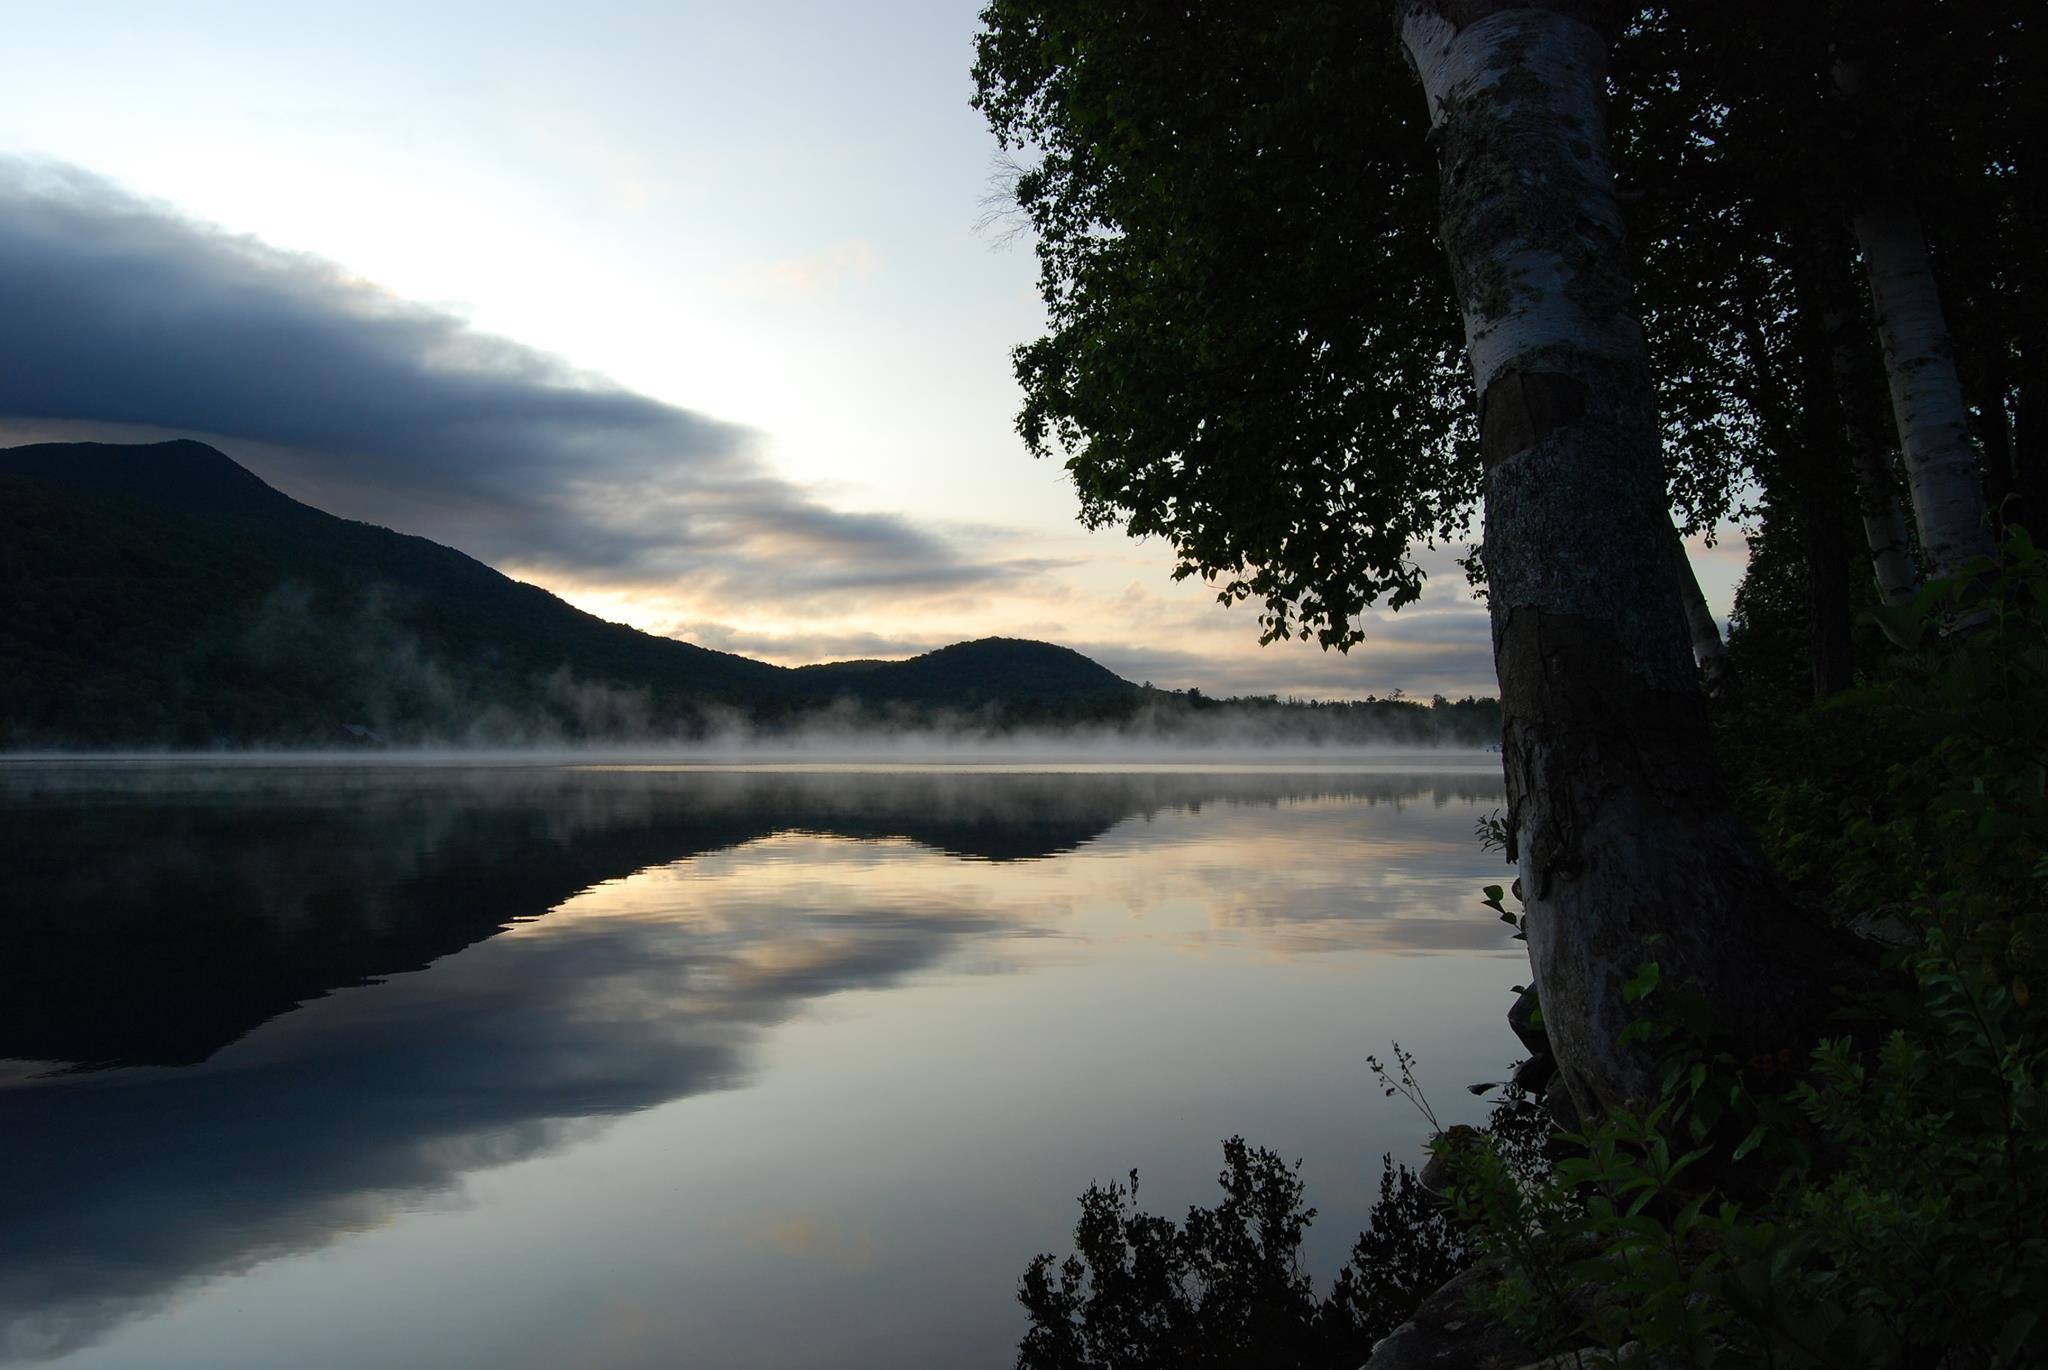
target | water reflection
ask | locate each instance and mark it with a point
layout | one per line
(156, 915)
(270, 957)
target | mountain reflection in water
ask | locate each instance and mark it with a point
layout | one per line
(240, 1028)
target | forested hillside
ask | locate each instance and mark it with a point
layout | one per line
(165, 595)
(161, 595)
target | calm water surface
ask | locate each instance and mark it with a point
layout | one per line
(555, 1066)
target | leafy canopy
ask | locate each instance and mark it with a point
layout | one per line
(1252, 353)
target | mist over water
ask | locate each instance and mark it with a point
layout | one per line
(652, 1058)
(809, 746)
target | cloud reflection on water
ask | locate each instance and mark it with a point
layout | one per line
(704, 911)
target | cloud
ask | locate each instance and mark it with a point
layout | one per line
(824, 272)
(123, 314)
(494, 1060)
(1441, 644)
(1416, 652)
(803, 648)
(1444, 644)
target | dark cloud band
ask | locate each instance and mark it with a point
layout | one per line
(121, 312)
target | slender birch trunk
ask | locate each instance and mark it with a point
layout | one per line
(1849, 366)
(1709, 652)
(1877, 500)
(1927, 398)
(1629, 848)
(1884, 525)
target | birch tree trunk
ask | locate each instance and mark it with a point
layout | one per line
(1927, 398)
(1628, 847)
(1825, 290)
(1709, 652)
(1884, 522)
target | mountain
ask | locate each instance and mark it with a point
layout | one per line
(162, 594)
(999, 669)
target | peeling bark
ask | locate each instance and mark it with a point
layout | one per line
(1629, 848)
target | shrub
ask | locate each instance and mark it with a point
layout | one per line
(1888, 1205)
(1225, 1287)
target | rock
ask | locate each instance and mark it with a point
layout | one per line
(1630, 1354)
(1523, 1019)
(1558, 1100)
(1447, 1333)
(1533, 1074)
(1437, 1172)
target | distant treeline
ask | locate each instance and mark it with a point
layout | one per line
(1189, 716)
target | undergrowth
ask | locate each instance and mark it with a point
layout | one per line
(1881, 1203)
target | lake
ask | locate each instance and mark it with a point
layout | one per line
(556, 1065)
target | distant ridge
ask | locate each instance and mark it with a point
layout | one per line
(162, 594)
(180, 474)
(972, 672)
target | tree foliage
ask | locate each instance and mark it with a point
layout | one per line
(1251, 351)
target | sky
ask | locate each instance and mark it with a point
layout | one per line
(679, 310)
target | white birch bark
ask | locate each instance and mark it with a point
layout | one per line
(1884, 529)
(1709, 652)
(1468, 66)
(1877, 501)
(1927, 397)
(1628, 847)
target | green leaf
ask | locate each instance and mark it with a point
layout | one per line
(1902, 623)
(2014, 1334)
(1689, 1216)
